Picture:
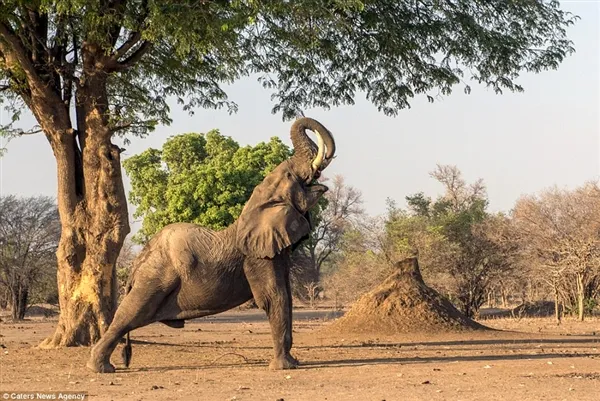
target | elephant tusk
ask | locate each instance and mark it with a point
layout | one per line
(318, 160)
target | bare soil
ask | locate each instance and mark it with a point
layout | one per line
(225, 357)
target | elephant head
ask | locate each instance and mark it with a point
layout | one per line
(275, 216)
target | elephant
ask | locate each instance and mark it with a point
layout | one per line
(186, 271)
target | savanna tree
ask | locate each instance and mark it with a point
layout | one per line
(29, 234)
(560, 233)
(459, 242)
(90, 71)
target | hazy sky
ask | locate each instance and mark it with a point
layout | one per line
(518, 143)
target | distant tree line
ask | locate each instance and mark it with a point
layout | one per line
(546, 247)
(29, 235)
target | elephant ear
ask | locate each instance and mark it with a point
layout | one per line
(265, 230)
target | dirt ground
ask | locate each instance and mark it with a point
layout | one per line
(225, 357)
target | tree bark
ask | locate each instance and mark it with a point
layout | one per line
(94, 226)
(91, 241)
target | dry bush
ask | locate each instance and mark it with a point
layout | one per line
(127, 256)
(362, 264)
(341, 210)
(559, 235)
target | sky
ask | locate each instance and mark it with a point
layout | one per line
(517, 143)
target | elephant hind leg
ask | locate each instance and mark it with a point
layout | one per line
(136, 310)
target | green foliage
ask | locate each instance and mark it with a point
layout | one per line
(309, 53)
(200, 178)
(400, 49)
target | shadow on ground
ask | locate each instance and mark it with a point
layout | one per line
(370, 361)
(257, 315)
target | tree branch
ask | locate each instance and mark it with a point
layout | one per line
(37, 27)
(119, 7)
(133, 58)
(134, 38)
(19, 132)
(14, 52)
(126, 125)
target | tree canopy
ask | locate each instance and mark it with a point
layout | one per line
(199, 178)
(309, 53)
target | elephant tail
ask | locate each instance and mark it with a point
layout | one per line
(127, 351)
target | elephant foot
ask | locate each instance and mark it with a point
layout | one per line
(100, 367)
(282, 363)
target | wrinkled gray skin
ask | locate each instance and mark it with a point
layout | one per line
(186, 271)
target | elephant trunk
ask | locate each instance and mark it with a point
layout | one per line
(306, 149)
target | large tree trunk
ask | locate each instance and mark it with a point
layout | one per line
(93, 213)
(94, 226)
(91, 199)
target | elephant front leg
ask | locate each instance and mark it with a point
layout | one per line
(269, 282)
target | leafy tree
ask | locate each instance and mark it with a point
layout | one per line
(93, 70)
(460, 244)
(197, 178)
(29, 233)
